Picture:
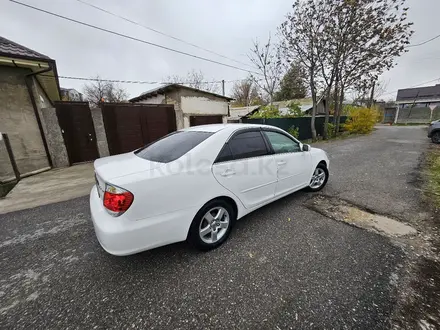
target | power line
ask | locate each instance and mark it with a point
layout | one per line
(132, 38)
(139, 81)
(426, 82)
(424, 42)
(162, 33)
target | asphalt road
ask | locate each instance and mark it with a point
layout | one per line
(309, 272)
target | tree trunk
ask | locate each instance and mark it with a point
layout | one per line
(313, 90)
(327, 113)
(341, 100)
(371, 100)
(336, 100)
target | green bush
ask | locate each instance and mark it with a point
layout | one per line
(330, 130)
(361, 120)
(294, 110)
(268, 111)
(294, 131)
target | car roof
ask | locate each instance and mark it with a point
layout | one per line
(218, 127)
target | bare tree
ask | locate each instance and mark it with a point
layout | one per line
(367, 96)
(195, 79)
(245, 92)
(345, 44)
(267, 58)
(300, 44)
(104, 91)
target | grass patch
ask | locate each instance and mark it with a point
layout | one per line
(340, 136)
(433, 175)
(5, 188)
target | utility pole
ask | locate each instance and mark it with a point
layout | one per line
(223, 87)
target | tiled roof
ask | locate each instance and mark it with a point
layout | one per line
(10, 48)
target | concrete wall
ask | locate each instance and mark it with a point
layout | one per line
(203, 106)
(101, 137)
(193, 103)
(6, 170)
(54, 138)
(17, 119)
(173, 98)
(414, 115)
(436, 114)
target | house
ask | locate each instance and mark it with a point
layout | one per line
(192, 106)
(418, 105)
(28, 84)
(235, 114)
(71, 94)
(306, 106)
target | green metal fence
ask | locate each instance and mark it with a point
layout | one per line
(303, 123)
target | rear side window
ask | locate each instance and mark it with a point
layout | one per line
(224, 155)
(247, 144)
(172, 146)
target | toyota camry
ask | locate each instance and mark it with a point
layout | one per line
(194, 184)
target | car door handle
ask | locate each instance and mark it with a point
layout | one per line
(281, 163)
(228, 173)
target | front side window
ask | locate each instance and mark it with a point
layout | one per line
(247, 144)
(172, 146)
(281, 143)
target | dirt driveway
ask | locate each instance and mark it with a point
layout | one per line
(285, 266)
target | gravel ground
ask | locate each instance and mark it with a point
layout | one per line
(309, 272)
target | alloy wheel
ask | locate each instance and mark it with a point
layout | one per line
(214, 225)
(318, 178)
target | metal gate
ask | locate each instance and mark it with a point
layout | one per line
(205, 120)
(130, 126)
(78, 131)
(389, 115)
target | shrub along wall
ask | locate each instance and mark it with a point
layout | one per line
(303, 123)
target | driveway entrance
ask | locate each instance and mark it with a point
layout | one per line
(49, 187)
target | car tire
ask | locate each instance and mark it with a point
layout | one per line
(316, 185)
(212, 225)
(436, 137)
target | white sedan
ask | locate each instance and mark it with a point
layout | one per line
(195, 183)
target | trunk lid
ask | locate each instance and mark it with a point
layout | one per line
(112, 167)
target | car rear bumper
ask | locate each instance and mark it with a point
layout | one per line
(122, 236)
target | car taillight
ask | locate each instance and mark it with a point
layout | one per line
(117, 200)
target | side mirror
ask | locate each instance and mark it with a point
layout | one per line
(306, 147)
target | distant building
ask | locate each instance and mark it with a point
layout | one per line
(192, 106)
(70, 94)
(236, 114)
(306, 106)
(418, 105)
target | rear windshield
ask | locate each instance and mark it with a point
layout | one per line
(172, 146)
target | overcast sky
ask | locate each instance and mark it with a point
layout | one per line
(226, 27)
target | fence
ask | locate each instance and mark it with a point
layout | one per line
(303, 123)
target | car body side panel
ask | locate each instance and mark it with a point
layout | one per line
(252, 180)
